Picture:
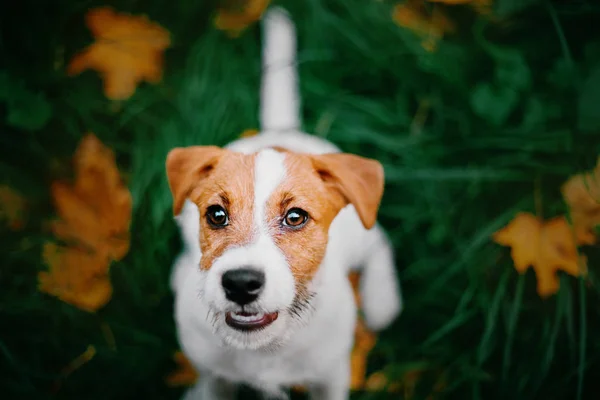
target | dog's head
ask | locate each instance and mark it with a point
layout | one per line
(264, 222)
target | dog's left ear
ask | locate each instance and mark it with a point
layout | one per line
(358, 180)
(187, 167)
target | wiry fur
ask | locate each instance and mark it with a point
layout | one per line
(311, 340)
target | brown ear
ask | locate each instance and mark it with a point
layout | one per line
(186, 167)
(359, 180)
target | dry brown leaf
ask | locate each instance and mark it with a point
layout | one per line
(236, 15)
(547, 246)
(430, 26)
(582, 194)
(12, 208)
(184, 375)
(76, 277)
(94, 211)
(94, 218)
(128, 50)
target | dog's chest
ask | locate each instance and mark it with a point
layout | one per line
(254, 369)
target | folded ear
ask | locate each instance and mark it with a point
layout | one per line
(186, 167)
(358, 180)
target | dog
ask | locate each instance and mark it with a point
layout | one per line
(271, 226)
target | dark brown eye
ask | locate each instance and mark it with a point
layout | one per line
(217, 217)
(295, 218)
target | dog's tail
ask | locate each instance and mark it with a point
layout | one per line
(380, 292)
(280, 102)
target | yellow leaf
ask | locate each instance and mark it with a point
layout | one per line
(12, 208)
(582, 194)
(546, 246)
(94, 218)
(128, 50)
(377, 382)
(184, 375)
(76, 277)
(237, 15)
(94, 211)
(430, 26)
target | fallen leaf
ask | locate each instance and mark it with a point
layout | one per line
(547, 246)
(94, 218)
(236, 15)
(430, 26)
(378, 382)
(12, 208)
(184, 375)
(582, 194)
(128, 50)
(94, 211)
(76, 277)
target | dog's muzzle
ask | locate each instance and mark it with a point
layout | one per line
(243, 286)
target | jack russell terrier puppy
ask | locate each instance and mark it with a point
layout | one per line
(272, 225)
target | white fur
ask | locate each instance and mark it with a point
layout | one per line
(314, 349)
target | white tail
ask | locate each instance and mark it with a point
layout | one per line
(280, 102)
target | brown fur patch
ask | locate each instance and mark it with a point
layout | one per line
(303, 248)
(230, 185)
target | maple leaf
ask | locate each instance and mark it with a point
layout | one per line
(547, 246)
(430, 26)
(76, 277)
(237, 15)
(12, 208)
(128, 50)
(95, 211)
(94, 218)
(582, 194)
(185, 374)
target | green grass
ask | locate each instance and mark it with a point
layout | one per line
(512, 112)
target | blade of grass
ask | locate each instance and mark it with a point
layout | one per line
(512, 324)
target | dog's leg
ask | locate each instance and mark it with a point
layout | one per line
(210, 387)
(381, 295)
(335, 386)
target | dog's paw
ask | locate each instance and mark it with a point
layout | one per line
(381, 307)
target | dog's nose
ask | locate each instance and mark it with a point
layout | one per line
(242, 285)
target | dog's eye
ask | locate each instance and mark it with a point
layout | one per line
(216, 216)
(295, 218)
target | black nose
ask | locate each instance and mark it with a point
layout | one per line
(242, 285)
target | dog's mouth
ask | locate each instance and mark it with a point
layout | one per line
(248, 322)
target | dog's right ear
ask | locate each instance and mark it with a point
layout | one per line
(186, 167)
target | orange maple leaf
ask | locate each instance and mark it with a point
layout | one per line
(547, 246)
(128, 50)
(94, 211)
(76, 277)
(582, 194)
(12, 208)
(185, 374)
(237, 15)
(430, 26)
(94, 218)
